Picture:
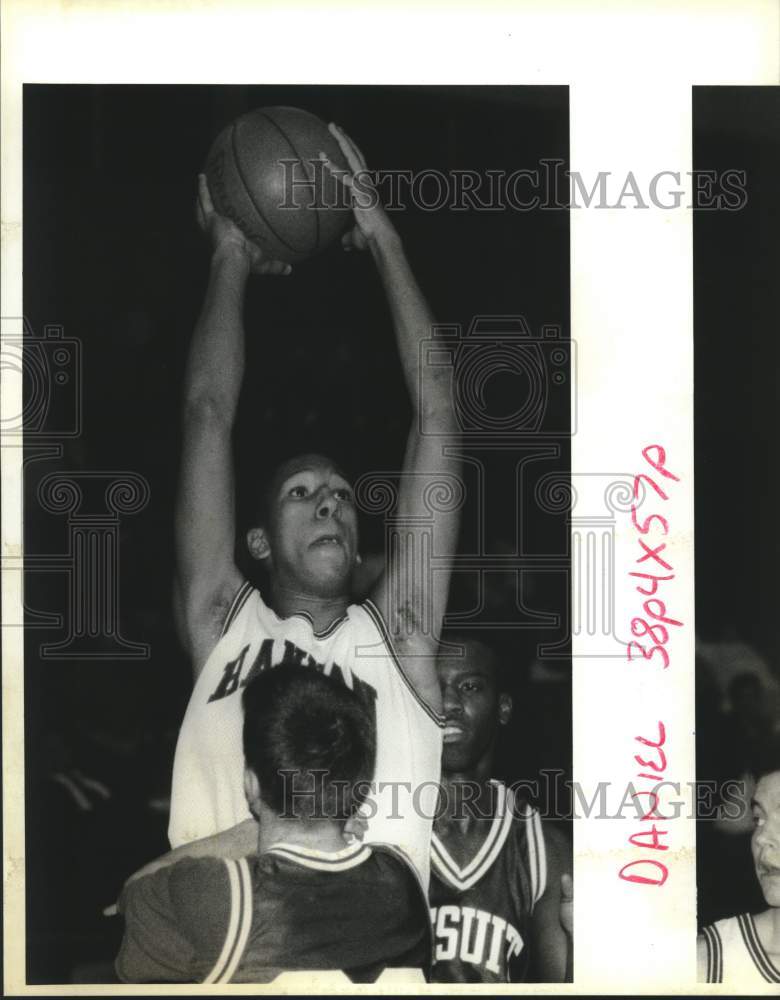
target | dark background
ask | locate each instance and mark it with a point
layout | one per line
(112, 254)
(736, 312)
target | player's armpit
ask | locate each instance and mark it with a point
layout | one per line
(412, 593)
(201, 623)
(206, 574)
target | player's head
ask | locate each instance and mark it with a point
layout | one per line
(475, 702)
(746, 694)
(305, 527)
(309, 745)
(765, 842)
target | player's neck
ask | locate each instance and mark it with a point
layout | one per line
(476, 776)
(768, 926)
(324, 836)
(469, 798)
(323, 611)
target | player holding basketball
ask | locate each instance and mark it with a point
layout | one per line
(309, 752)
(745, 950)
(500, 893)
(306, 535)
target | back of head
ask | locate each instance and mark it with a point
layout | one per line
(310, 741)
(746, 692)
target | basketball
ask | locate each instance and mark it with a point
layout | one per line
(264, 173)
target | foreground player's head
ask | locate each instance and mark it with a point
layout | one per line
(309, 746)
(306, 526)
(765, 842)
(475, 705)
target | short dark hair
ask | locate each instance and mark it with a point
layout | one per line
(747, 681)
(767, 764)
(310, 741)
(490, 653)
(264, 490)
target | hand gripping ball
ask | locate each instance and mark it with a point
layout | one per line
(265, 174)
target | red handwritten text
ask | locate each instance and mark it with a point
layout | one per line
(653, 627)
(651, 630)
(653, 763)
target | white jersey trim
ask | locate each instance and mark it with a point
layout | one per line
(756, 950)
(537, 856)
(714, 954)
(376, 617)
(239, 922)
(747, 938)
(324, 861)
(247, 589)
(236, 605)
(464, 878)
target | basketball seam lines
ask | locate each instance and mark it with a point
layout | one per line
(242, 178)
(289, 142)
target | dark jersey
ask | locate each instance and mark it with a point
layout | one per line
(481, 913)
(361, 910)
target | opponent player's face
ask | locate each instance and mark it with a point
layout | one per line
(766, 836)
(313, 526)
(473, 709)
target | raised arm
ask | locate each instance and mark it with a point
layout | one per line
(206, 575)
(411, 597)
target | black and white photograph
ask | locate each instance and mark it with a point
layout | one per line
(298, 394)
(736, 311)
(388, 399)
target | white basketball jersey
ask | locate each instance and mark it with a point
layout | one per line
(735, 955)
(208, 793)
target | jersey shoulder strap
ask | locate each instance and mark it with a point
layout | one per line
(374, 615)
(756, 950)
(714, 947)
(535, 847)
(242, 595)
(239, 922)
